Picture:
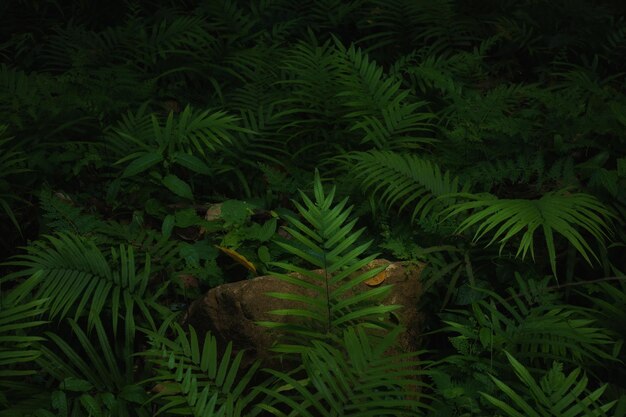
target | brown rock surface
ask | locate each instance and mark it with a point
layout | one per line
(230, 311)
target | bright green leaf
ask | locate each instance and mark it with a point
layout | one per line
(178, 186)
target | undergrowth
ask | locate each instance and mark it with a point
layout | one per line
(147, 145)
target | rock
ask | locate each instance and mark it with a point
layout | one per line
(230, 311)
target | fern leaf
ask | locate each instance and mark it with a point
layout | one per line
(558, 211)
(355, 380)
(196, 378)
(556, 395)
(404, 179)
(17, 347)
(523, 326)
(329, 244)
(73, 274)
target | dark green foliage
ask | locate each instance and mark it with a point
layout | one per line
(152, 150)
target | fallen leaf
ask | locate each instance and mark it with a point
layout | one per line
(214, 212)
(188, 280)
(239, 258)
(376, 279)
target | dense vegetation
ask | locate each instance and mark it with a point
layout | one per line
(484, 138)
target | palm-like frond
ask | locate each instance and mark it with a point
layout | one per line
(16, 347)
(331, 245)
(310, 82)
(520, 325)
(173, 36)
(358, 380)
(191, 130)
(194, 376)
(609, 305)
(376, 104)
(62, 215)
(19, 92)
(556, 394)
(96, 376)
(184, 140)
(74, 275)
(11, 163)
(557, 211)
(409, 180)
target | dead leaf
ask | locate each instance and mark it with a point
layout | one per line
(239, 258)
(214, 212)
(381, 276)
(376, 279)
(188, 280)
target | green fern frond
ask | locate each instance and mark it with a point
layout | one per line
(556, 394)
(557, 211)
(62, 216)
(329, 244)
(74, 275)
(11, 163)
(195, 375)
(190, 130)
(19, 93)
(229, 19)
(164, 253)
(16, 346)
(310, 81)
(358, 379)
(609, 305)
(408, 180)
(95, 375)
(522, 326)
(376, 104)
(174, 36)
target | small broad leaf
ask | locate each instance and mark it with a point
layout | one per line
(191, 162)
(76, 384)
(91, 405)
(142, 163)
(133, 393)
(264, 254)
(485, 336)
(178, 186)
(58, 400)
(235, 211)
(168, 225)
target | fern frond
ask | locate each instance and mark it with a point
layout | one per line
(74, 275)
(609, 305)
(62, 216)
(195, 376)
(356, 380)
(329, 244)
(557, 211)
(413, 182)
(99, 369)
(184, 141)
(556, 394)
(174, 36)
(522, 326)
(376, 104)
(16, 347)
(11, 163)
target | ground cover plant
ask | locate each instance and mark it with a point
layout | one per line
(150, 151)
